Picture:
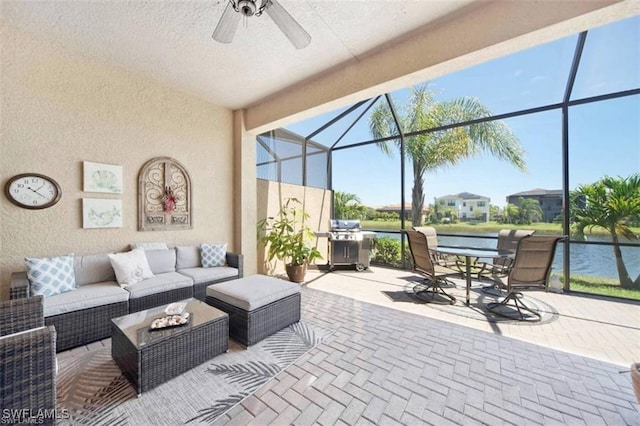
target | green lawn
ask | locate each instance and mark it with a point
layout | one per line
(601, 286)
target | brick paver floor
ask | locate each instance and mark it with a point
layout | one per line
(392, 363)
(387, 366)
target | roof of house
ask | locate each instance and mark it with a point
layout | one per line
(537, 191)
(466, 196)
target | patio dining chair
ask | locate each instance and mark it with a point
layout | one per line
(432, 241)
(530, 270)
(27, 358)
(433, 273)
(500, 266)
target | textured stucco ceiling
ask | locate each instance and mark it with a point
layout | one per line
(170, 41)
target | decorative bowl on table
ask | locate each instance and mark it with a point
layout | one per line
(170, 321)
(175, 308)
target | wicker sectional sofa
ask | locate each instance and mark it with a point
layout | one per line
(83, 315)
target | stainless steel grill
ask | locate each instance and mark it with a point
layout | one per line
(349, 244)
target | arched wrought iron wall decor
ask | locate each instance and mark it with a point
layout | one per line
(164, 196)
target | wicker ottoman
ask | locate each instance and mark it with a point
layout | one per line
(257, 305)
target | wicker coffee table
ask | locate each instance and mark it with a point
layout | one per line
(151, 357)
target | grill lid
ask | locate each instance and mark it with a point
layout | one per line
(345, 225)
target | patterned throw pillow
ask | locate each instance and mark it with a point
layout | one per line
(51, 275)
(213, 255)
(130, 267)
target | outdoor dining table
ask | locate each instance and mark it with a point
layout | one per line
(472, 252)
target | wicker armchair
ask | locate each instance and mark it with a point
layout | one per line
(27, 359)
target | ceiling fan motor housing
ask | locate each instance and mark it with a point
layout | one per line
(247, 7)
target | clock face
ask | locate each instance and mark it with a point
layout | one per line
(33, 191)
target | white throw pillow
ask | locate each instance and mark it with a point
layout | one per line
(51, 275)
(130, 267)
(213, 255)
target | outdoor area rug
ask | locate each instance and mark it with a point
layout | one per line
(95, 392)
(477, 305)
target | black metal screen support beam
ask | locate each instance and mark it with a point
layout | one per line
(355, 121)
(559, 105)
(573, 72)
(565, 197)
(304, 162)
(566, 249)
(335, 119)
(402, 166)
(330, 150)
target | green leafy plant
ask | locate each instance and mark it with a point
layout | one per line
(386, 250)
(286, 235)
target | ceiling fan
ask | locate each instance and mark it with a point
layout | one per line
(236, 9)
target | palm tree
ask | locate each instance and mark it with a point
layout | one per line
(511, 213)
(431, 151)
(347, 206)
(529, 210)
(611, 204)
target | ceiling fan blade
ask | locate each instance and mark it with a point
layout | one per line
(294, 32)
(226, 28)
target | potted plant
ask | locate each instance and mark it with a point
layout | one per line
(286, 237)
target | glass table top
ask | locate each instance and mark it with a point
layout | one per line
(474, 252)
(137, 326)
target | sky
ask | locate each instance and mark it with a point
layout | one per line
(604, 136)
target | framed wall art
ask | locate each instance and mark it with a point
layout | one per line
(101, 213)
(99, 177)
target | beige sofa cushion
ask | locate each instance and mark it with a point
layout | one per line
(188, 257)
(158, 284)
(85, 297)
(93, 269)
(203, 275)
(161, 261)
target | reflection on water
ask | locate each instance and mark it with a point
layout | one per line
(586, 259)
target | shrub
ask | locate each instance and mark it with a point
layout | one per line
(386, 250)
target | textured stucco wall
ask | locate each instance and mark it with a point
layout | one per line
(315, 201)
(59, 109)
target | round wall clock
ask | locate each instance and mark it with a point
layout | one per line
(32, 191)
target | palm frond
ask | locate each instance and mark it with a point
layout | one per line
(291, 343)
(306, 333)
(84, 394)
(249, 375)
(218, 408)
(382, 125)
